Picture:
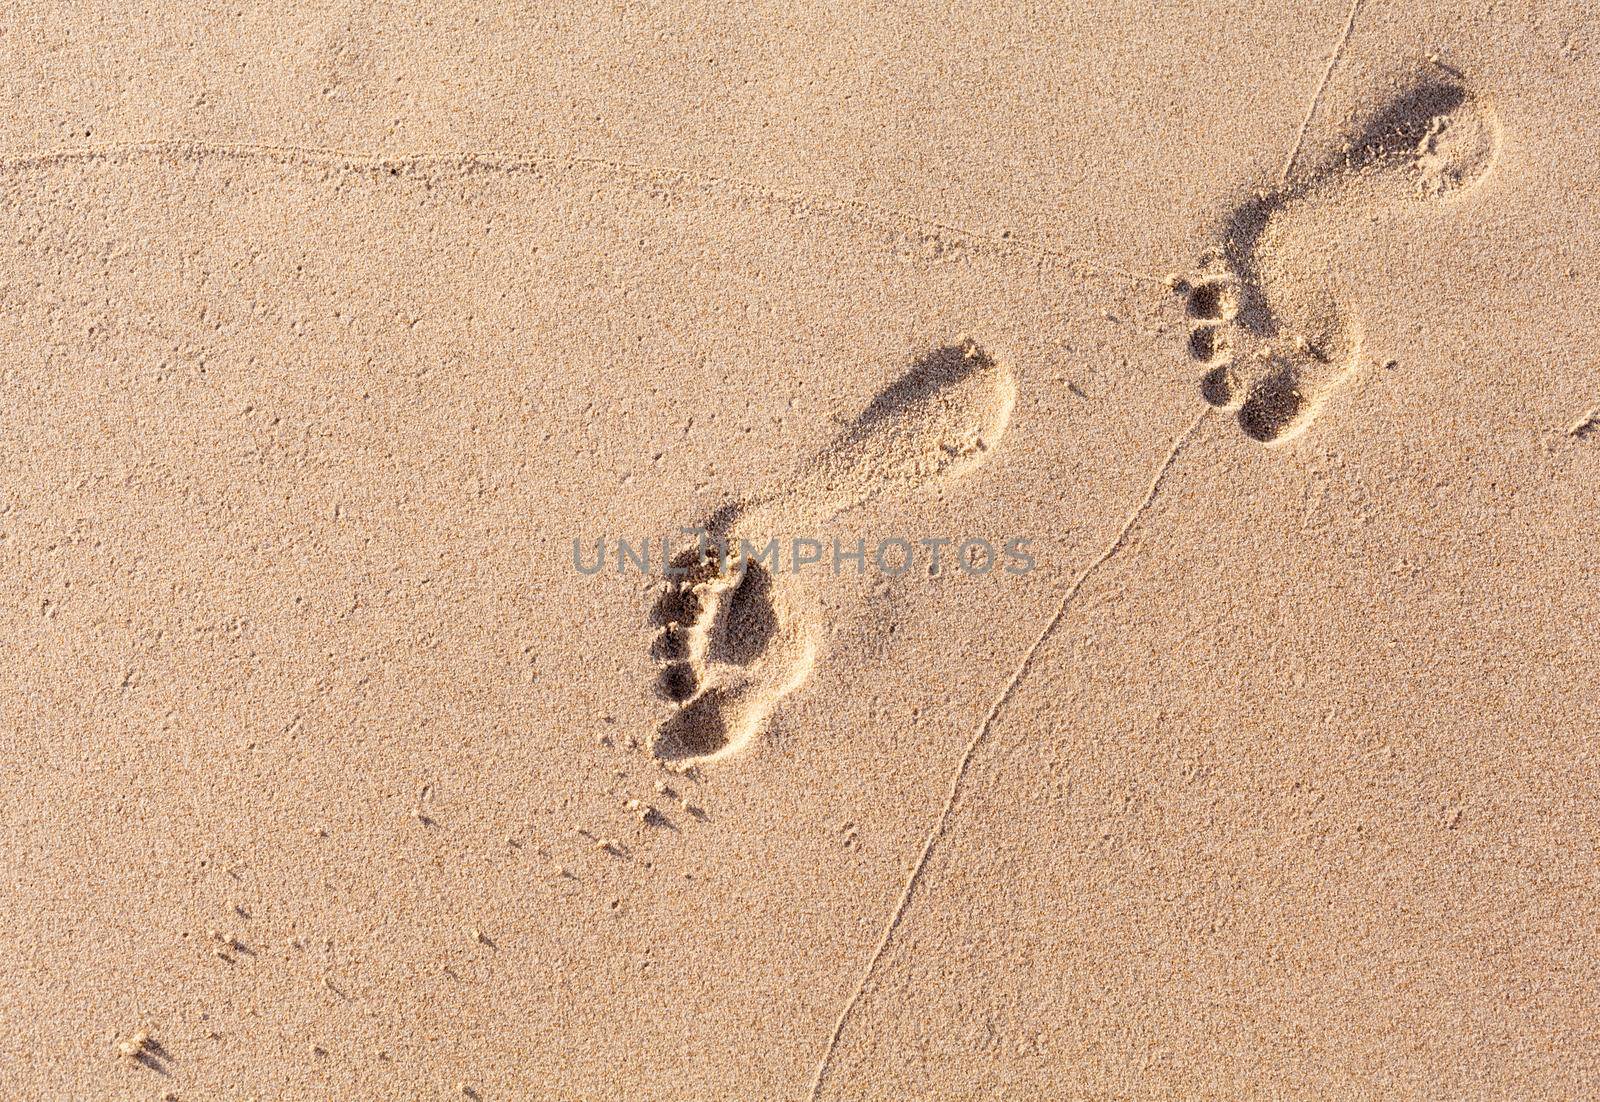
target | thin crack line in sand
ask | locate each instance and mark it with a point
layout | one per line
(1179, 442)
(853, 211)
(1316, 100)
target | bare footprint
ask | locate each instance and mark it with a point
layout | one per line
(731, 645)
(1263, 320)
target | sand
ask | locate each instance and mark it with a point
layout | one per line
(1256, 758)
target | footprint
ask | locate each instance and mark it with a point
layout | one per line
(1265, 324)
(731, 645)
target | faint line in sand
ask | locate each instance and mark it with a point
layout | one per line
(1179, 442)
(1316, 100)
(848, 210)
(852, 211)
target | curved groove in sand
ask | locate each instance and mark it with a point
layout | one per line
(851, 211)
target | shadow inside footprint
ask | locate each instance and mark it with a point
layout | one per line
(1274, 404)
(937, 371)
(677, 682)
(1400, 128)
(1206, 301)
(698, 729)
(681, 602)
(672, 644)
(1204, 343)
(750, 622)
(1217, 387)
(1241, 238)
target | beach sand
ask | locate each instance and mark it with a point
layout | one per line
(1264, 768)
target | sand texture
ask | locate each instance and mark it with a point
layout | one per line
(1256, 760)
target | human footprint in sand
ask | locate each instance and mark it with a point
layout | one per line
(1265, 320)
(731, 644)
